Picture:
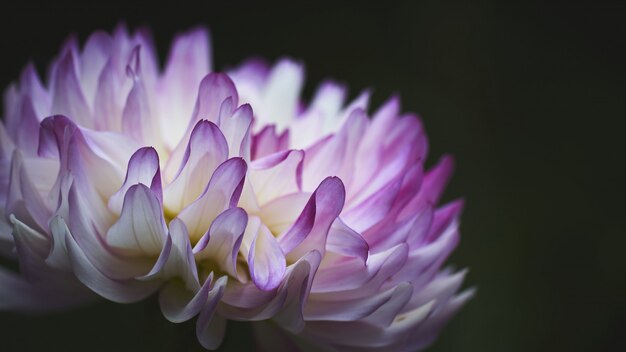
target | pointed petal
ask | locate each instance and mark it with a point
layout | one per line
(23, 199)
(386, 313)
(333, 309)
(68, 98)
(93, 59)
(111, 92)
(28, 128)
(281, 94)
(137, 119)
(363, 215)
(31, 86)
(353, 279)
(188, 61)
(433, 185)
(335, 155)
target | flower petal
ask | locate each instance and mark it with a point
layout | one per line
(68, 98)
(333, 309)
(222, 192)
(143, 168)
(311, 228)
(23, 199)
(18, 294)
(345, 241)
(276, 175)
(93, 59)
(352, 278)
(265, 257)
(281, 94)
(188, 61)
(141, 227)
(137, 119)
(267, 142)
(181, 262)
(178, 304)
(120, 291)
(210, 327)
(221, 243)
(237, 129)
(32, 247)
(28, 128)
(433, 185)
(206, 150)
(297, 286)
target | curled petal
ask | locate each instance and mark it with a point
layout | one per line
(206, 150)
(214, 89)
(143, 168)
(267, 142)
(299, 279)
(121, 291)
(178, 304)
(181, 262)
(211, 327)
(221, 243)
(352, 278)
(222, 192)
(237, 129)
(276, 175)
(311, 228)
(265, 257)
(23, 199)
(141, 227)
(345, 241)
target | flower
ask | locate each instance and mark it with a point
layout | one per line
(224, 194)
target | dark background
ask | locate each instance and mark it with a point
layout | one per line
(530, 98)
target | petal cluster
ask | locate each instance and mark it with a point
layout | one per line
(224, 194)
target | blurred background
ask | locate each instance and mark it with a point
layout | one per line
(529, 97)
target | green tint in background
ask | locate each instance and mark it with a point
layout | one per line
(529, 98)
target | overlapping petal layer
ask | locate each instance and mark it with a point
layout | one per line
(224, 194)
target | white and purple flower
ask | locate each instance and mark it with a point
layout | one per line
(225, 194)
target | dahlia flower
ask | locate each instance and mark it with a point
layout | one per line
(226, 195)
